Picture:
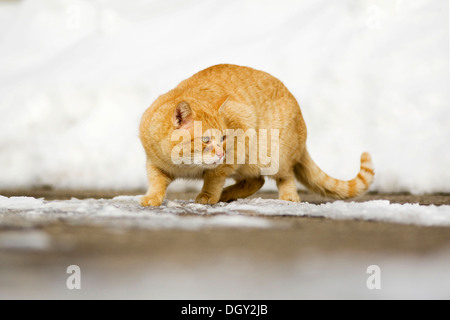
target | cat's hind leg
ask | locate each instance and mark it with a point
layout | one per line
(242, 189)
(287, 190)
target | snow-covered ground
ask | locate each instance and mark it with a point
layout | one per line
(124, 211)
(76, 75)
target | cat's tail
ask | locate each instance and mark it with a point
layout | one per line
(312, 177)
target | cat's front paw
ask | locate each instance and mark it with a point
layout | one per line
(205, 198)
(290, 197)
(150, 201)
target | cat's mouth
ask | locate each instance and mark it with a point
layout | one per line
(215, 161)
(220, 160)
(211, 162)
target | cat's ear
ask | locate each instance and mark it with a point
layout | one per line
(223, 103)
(183, 117)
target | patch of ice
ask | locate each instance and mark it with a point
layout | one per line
(24, 240)
(239, 221)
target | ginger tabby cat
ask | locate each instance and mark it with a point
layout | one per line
(226, 97)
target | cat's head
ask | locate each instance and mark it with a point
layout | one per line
(203, 134)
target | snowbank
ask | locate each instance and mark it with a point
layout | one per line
(77, 75)
(124, 211)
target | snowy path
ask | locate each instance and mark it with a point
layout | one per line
(124, 211)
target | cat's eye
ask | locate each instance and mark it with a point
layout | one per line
(223, 138)
(205, 139)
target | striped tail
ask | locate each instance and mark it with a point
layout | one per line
(312, 177)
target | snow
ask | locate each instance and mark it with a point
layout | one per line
(121, 212)
(76, 75)
(20, 202)
(376, 210)
(124, 211)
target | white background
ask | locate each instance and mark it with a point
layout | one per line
(75, 77)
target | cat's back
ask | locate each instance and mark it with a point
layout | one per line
(257, 92)
(229, 72)
(232, 77)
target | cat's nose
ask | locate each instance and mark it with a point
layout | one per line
(220, 154)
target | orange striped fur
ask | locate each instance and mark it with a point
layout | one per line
(234, 97)
(312, 177)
